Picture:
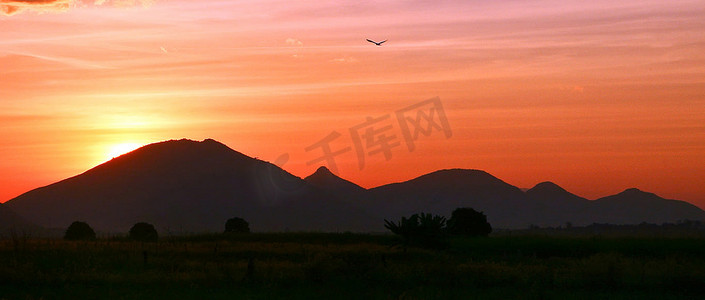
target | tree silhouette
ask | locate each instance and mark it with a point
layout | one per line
(425, 230)
(79, 231)
(469, 222)
(144, 232)
(237, 225)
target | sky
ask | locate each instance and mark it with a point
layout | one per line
(596, 96)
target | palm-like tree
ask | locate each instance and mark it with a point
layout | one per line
(419, 229)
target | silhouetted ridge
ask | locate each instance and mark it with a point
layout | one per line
(550, 193)
(325, 179)
(192, 186)
(633, 206)
(442, 191)
(547, 187)
(173, 157)
(323, 170)
(458, 178)
(182, 149)
(557, 206)
(632, 195)
(634, 192)
(176, 184)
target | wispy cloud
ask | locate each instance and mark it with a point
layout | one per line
(294, 42)
(346, 59)
(12, 7)
(124, 3)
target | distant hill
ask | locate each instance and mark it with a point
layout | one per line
(633, 206)
(185, 186)
(556, 206)
(442, 191)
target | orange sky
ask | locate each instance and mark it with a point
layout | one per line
(597, 97)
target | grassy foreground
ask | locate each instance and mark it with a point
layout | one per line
(353, 266)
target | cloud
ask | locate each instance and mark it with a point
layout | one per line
(125, 3)
(347, 59)
(12, 7)
(294, 42)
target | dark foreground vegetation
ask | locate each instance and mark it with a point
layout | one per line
(352, 266)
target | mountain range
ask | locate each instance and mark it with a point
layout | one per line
(185, 186)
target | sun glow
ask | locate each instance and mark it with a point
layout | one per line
(120, 149)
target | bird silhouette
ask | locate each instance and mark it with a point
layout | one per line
(376, 43)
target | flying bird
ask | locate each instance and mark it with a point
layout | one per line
(376, 43)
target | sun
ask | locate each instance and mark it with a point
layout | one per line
(120, 149)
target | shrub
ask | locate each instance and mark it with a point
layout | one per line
(469, 222)
(237, 225)
(79, 231)
(425, 230)
(144, 232)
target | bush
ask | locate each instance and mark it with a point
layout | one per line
(423, 230)
(79, 231)
(144, 232)
(237, 225)
(469, 222)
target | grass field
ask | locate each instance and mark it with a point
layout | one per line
(353, 266)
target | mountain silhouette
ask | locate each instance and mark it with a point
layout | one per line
(549, 193)
(184, 186)
(325, 179)
(442, 191)
(633, 206)
(557, 206)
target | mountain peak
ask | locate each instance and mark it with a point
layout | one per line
(552, 195)
(323, 170)
(637, 193)
(323, 173)
(633, 196)
(632, 191)
(180, 151)
(547, 186)
(324, 178)
(447, 177)
(210, 142)
(183, 142)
